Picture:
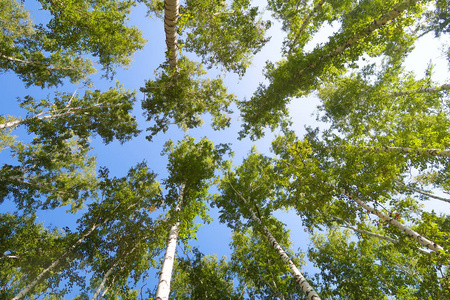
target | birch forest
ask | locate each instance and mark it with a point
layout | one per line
(165, 149)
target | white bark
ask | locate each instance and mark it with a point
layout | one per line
(305, 23)
(406, 150)
(408, 231)
(39, 63)
(67, 111)
(425, 193)
(163, 291)
(299, 279)
(32, 284)
(443, 87)
(102, 284)
(373, 234)
(171, 8)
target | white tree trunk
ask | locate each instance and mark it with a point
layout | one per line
(406, 150)
(305, 24)
(408, 231)
(32, 284)
(67, 111)
(102, 284)
(171, 8)
(425, 193)
(301, 281)
(373, 234)
(443, 87)
(163, 291)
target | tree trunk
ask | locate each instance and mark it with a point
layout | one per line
(51, 114)
(299, 279)
(443, 87)
(163, 291)
(373, 234)
(406, 150)
(102, 284)
(32, 284)
(171, 8)
(304, 24)
(408, 231)
(425, 193)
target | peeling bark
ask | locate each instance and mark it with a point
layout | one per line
(171, 9)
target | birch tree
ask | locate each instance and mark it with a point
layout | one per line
(44, 56)
(126, 200)
(302, 71)
(221, 34)
(192, 168)
(249, 194)
(371, 268)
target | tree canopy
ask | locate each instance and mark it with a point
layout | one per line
(355, 207)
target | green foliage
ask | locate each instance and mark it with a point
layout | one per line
(192, 170)
(223, 33)
(107, 114)
(203, 277)
(27, 248)
(45, 55)
(373, 269)
(27, 51)
(255, 181)
(259, 269)
(302, 72)
(383, 120)
(48, 176)
(95, 27)
(181, 96)
(390, 108)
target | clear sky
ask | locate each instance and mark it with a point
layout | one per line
(118, 158)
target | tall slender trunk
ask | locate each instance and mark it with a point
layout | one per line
(102, 284)
(32, 284)
(425, 193)
(443, 87)
(38, 63)
(163, 291)
(171, 8)
(408, 231)
(67, 111)
(305, 24)
(373, 234)
(405, 150)
(299, 279)
(105, 277)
